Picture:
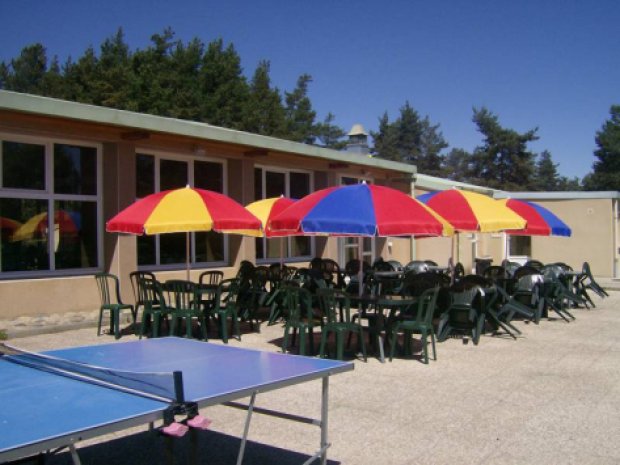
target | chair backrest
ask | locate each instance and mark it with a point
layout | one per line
(495, 272)
(109, 288)
(331, 301)
(472, 280)
(525, 271)
(228, 293)
(426, 306)
(396, 265)
(416, 266)
(585, 269)
(152, 293)
(529, 282)
(245, 270)
(181, 294)
(135, 277)
(458, 272)
(297, 303)
(381, 265)
(431, 263)
(535, 264)
(414, 284)
(211, 277)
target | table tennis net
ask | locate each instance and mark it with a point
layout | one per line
(166, 387)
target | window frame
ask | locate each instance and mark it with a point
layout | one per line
(287, 180)
(48, 195)
(189, 159)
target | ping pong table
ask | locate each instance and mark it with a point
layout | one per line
(42, 410)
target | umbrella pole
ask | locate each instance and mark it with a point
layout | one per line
(187, 254)
(360, 273)
(281, 252)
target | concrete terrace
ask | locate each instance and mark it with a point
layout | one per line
(551, 397)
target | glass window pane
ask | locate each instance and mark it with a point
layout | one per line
(521, 246)
(146, 250)
(209, 247)
(23, 166)
(209, 175)
(300, 246)
(275, 184)
(145, 175)
(75, 234)
(172, 174)
(75, 170)
(258, 183)
(24, 242)
(172, 248)
(300, 185)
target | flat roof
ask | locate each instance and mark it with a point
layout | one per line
(558, 195)
(56, 108)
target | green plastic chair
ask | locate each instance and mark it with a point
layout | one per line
(299, 317)
(155, 307)
(109, 292)
(464, 314)
(335, 302)
(135, 277)
(226, 305)
(421, 323)
(185, 307)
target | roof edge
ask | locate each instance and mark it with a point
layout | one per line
(52, 107)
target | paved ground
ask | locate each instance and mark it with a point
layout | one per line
(551, 397)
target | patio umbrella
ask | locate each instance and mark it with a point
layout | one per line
(266, 209)
(362, 210)
(8, 224)
(473, 212)
(185, 210)
(540, 221)
(37, 226)
(470, 211)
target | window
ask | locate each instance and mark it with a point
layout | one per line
(158, 173)
(49, 207)
(270, 183)
(520, 246)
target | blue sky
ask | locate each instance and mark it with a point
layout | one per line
(554, 65)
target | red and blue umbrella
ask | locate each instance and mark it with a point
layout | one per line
(540, 221)
(359, 210)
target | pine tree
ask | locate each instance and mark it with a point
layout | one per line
(606, 169)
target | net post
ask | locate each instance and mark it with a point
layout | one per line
(178, 386)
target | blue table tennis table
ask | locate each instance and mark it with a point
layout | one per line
(42, 411)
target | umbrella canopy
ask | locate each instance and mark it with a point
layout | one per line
(37, 225)
(540, 221)
(9, 224)
(359, 210)
(470, 211)
(184, 210)
(267, 209)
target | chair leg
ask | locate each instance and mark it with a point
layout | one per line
(115, 315)
(339, 345)
(99, 324)
(285, 340)
(433, 343)
(393, 342)
(361, 343)
(324, 336)
(302, 342)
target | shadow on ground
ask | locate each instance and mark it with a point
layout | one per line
(149, 448)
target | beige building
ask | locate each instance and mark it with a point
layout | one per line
(66, 168)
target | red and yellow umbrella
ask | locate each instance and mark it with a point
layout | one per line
(185, 210)
(470, 211)
(266, 209)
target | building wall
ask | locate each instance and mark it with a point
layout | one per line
(592, 240)
(48, 295)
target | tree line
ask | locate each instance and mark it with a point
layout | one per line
(206, 83)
